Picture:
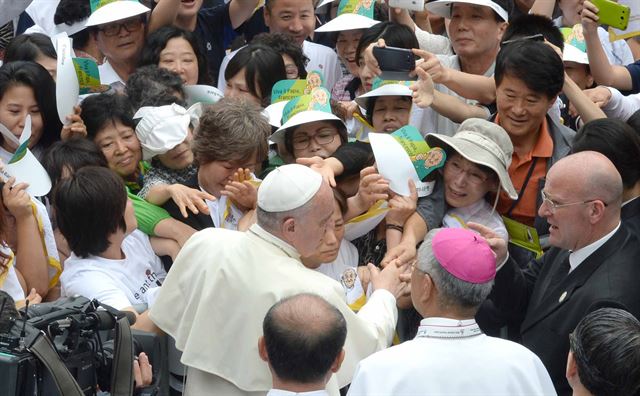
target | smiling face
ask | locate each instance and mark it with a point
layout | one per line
(346, 46)
(179, 57)
(126, 45)
(465, 182)
(189, 8)
(520, 109)
(474, 31)
(120, 146)
(215, 175)
(17, 102)
(391, 113)
(294, 17)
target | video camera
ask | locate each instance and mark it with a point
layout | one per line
(65, 348)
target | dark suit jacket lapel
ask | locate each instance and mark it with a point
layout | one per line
(561, 292)
(630, 210)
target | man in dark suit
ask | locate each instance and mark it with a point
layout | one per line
(592, 264)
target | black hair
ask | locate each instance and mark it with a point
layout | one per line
(394, 35)
(102, 109)
(71, 155)
(263, 68)
(371, 104)
(615, 140)
(70, 12)
(299, 353)
(154, 86)
(157, 41)
(342, 133)
(37, 78)
(634, 121)
(29, 47)
(544, 76)
(531, 24)
(89, 208)
(284, 45)
(606, 349)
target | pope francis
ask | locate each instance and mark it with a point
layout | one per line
(223, 282)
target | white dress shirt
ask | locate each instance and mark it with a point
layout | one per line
(576, 258)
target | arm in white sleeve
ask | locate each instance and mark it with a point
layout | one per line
(620, 106)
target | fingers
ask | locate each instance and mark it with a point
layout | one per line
(309, 161)
(137, 374)
(484, 231)
(146, 369)
(413, 193)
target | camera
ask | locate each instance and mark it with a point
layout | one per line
(70, 340)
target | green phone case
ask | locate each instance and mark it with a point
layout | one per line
(612, 14)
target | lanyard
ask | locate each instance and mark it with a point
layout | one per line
(460, 331)
(524, 186)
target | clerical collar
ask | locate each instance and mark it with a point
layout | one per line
(286, 248)
(448, 328)
(281, 392)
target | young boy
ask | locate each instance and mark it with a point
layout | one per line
(111, 260)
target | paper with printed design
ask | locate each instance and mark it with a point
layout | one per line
(67, 86)
(291, 89)
(317, 100)
(202, 94)
(88, 76)
(360, 7)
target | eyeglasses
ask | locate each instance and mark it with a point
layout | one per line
(130, 25)
(553, 206)
(324, 136)
(474, 177)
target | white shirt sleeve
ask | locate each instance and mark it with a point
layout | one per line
(620, 106)
(433, 43)
(95, 285)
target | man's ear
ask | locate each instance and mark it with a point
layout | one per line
(426, 288)
(288, 229)
(501, 29)
(572, 368)
(262, 349)
(338, 362)
(267, 16)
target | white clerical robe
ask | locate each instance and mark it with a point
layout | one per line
(470, 364)
(217, 293)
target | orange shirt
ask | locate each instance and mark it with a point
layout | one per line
(526, 209)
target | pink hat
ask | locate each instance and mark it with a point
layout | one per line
(464, 254)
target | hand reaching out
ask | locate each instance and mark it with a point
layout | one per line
(423, 89)
(401, 207)
(242, 190)
(76, 127)
(190, 198)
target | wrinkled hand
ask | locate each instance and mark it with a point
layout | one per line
(495, 241)
(401, 207)
(75, 127)
(241, 190)
(423, 89)
(321, 166)
(142, 371)
(405, 252)
(373, 187)
(190, 198)
(365, 277)
(349, 108)
(431, 64)
(589, 18)
(599, 95)
(16, 199)
(388, 278)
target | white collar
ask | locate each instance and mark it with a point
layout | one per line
(274, 240)
(576, 258)
(281, 392)
(108, 75)
(631, 200)
(446, 328)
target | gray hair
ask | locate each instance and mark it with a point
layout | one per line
(453, 292)
(271, 221)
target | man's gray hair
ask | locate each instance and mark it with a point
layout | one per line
(453, 292)
(271, 221)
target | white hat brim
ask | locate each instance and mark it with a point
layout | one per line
(347, 22)
(385, 90)
(304, 117)
(274, 113)
(323, 3)
(573, 54)
(116, 11)
(443, 7)
(477, 155)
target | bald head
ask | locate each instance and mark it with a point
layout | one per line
(304, 335)
(589, 175)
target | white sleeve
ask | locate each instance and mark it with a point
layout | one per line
(433, 43)
(95, 285)
(620, 106)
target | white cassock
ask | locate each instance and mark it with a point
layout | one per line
(217, 293)
(452, 357)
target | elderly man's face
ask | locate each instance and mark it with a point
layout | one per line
(294, 17)
(317, 228)
(121, 41)
(474, 30)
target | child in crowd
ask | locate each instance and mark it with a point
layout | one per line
(111, 261)
(229, 144)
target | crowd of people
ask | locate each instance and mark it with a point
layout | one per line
(223, 182)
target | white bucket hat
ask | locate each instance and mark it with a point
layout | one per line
(484, 143)
(347, 22)
(164, 127)
(574, 54)
(443, 7)
(116, 11)
(304, 117)
(384, 90)
(274, 113)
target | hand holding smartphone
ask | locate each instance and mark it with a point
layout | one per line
(395, 63)
(612, 14)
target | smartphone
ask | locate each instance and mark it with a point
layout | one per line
(395, 63)
(413, 5)
(612, 14)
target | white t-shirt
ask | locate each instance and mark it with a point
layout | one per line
(344, 271)
(480, 212)
(321, 58)
(136, 279)
(9, 282)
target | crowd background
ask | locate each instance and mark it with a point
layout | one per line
(532, 119)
